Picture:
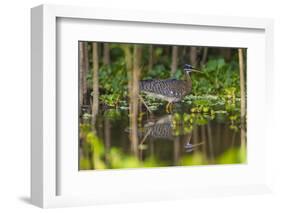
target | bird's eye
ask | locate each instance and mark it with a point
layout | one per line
(187, 66)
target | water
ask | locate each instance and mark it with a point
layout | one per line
(178, 139)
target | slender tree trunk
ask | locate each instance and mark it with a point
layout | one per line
(130, 71)
(107, 124)
(174, 64)
(151, 145)
(227, 54)
(135, 97)
(86, 69)
(95, 106)
(183, 55)
(225, 135)
(166, 50)
(129, 65)
(106, 54)
(210, 140)
(193, 56)
(81, 74)
(233, 138)
(195, 135)
(107, 139)
(205, 55)
(243, 100)
(204, 140)
(150, 61)
(176, 150)
(219, 140)
(242, 84)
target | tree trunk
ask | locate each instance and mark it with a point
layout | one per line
(195, 135)
(226, 53)
(150, 61)
(95, 106)
(242, 84)
(106, 54)
(86, 69)
(219, 137)
(81, 74)
(174, 64)
(128, 59)
(193, 56)
(210, 142)
(83, 70)
(176, 150)
(107, 139)
(129, 65)
(243, 100)
(204, 57)
(135, 97)
(204, 139)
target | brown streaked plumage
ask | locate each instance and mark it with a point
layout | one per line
(171, 90)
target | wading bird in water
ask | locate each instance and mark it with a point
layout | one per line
(171, 90)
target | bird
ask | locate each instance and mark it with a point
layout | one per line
(171, 90)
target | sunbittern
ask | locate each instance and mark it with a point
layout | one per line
(171, 90)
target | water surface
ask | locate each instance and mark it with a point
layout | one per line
(177, 139)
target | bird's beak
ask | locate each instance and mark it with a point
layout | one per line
(195, 70)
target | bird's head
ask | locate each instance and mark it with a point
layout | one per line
(188, 69)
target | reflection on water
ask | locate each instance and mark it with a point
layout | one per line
(166, 128)
(177, 139)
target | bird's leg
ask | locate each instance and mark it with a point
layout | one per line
(145, 104)
(171, 108)
(145, 136)
(167, 107)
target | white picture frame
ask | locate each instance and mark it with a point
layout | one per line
(48, 157)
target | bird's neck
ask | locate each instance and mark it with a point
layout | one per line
(187, 78)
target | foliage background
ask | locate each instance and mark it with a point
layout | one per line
(216, 95)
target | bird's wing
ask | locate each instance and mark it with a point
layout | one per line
(167, 87)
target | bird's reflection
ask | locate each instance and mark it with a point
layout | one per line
(164, 127)
(158, 128)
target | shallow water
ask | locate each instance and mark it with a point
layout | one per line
(176, 139)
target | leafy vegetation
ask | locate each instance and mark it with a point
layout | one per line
(215, 98)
